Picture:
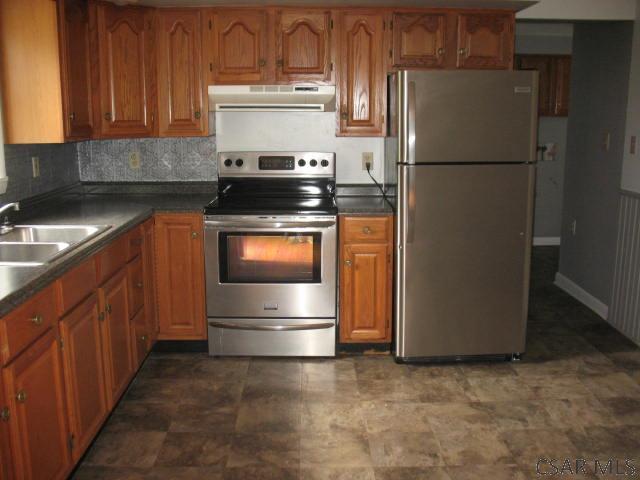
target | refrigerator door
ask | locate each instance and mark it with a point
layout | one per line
(464, 240)
(467, 117)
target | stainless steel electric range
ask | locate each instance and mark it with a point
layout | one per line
(270, 253)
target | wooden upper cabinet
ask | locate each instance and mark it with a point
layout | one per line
(554, 82)
(182, 99)
(562, 87)
(542, 64)
(34, 389)
(127, 71)
(75, 68)
(485, 40)
(303, 46)
(362, 75)
(239, 46)
(180, 276)
(419, 39)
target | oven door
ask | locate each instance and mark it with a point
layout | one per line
(280, 267)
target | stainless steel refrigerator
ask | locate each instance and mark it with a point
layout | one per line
(464, 145)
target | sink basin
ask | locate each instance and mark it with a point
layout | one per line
(21, 254)
(71, 234)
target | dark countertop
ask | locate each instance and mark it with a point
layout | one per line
(363, 205)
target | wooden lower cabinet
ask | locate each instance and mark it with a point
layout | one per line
(84, 373)
(140, 339)
(149, 278)
(366, 269)
(180, 276)
(34, 389)
(116, 336)
(6, 471)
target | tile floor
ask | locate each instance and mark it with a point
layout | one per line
(576, 394)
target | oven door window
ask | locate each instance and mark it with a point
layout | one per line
(271, 257)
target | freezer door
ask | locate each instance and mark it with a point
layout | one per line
(464, 240)
(468, 117)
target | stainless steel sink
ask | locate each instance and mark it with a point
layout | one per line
(29, 254)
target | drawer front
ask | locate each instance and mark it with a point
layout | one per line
(134, 244)
(366, 229)
(136, 286)
(26, 323)
(76, 285)
(112, 258)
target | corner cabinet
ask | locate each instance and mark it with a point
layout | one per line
(180, 276)
(366, 270)
(361, 99)
(182, 97)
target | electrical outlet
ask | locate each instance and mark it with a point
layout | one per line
(134, 161)
(574, 227)
(35, 166)
(367, 157)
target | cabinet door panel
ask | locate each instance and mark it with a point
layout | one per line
(75, 68)
(180, 276)
(6, 461)
(35, 392)
(126, 70)
(84, 373)
(303, 46)
(362, 74)
(485, 40)
(116, 336)
(240, 46)
(562, 85)
(419, 40)
(148, 269)
(365, 293)
(180, 79)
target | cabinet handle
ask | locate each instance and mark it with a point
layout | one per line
(462, 51)
(440, 51)
(139, 284)
(143, 338)
(194, 235)
(197, 114)
(72, 117)
(21, 396)
(262, 62)
(366, 230)
(37, 320)
(107, 307)
(107, 116)
(347, 263)
(5, 414)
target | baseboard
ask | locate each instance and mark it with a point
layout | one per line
(545, 241)
(581, 295)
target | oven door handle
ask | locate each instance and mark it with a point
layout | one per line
(277, 328)
(227, 224)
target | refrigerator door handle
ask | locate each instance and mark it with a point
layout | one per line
(411, 122)
(410, 223)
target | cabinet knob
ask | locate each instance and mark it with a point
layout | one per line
(72, 116)
(462, 51)
(143, 338)
(344, 115)
(197, 114)
(37, 320)
(440, 51)
(347, 263)
(107, 116)
(5, 414)
(139, 285)
(262, 62)
(194, 235)
(366, 230)
(107, 307)
(21, 396)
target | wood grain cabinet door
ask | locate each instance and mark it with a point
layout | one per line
(34, 388)
(365, 303)
(75, 68)
(149, 280)
(303, 46)
(6, 462)
(180, 276)
(485, 40)
(84, 373)
(562, 86)
(116, 336)
(240, 50)
(419, 40)
(127, 70)
(362, 74)
(181, 96)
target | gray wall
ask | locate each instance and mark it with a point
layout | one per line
(161, 160)
(58, 168)
(600, 79)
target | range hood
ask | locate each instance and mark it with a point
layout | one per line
(272, 98)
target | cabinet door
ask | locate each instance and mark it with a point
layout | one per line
(419, 40)
(84, 373)
(116, 336)
(75, 68)
(485, 40)
(362, 74)
(180, 276)
(303, 46)
(127, 98)
(6, 471)
(181, 96)
(149, 280)
(365, 293)
(541, 63)
(34, 389)
(240, 51)
(562, 85)
(140, 339)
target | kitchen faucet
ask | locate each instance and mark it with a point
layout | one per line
(7, 226)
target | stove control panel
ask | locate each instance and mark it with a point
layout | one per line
(276, 164)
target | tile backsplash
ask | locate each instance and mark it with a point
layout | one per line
(161, 160)
(58, 168)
